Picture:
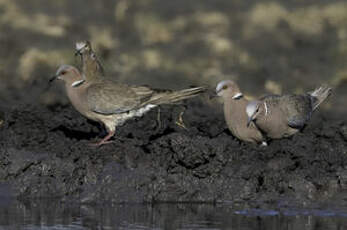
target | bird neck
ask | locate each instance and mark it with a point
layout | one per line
(92, 68)
(233, 107)
(76, 95)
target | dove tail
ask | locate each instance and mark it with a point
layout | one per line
(319, 95)
(172, 97)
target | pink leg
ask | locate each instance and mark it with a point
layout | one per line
(105, 140)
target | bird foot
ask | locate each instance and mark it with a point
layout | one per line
(99, 143)
(105, 140)
(180, 121)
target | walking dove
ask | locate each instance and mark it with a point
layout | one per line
(235, 113)
(92, 71)
(282, 116)
(91, 67)
(113, 103)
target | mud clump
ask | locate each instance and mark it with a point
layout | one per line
(45, 152)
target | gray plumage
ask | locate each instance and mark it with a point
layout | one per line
(282, 116)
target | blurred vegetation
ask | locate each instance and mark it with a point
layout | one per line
(266, 46)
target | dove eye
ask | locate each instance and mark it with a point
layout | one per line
(63, 72)
(224, 87)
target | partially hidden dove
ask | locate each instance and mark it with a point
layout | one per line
(235, 113)
(282, 116)
(112, 103)
(92, 69)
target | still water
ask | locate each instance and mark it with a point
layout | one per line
(54, 215)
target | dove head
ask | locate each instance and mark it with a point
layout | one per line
(83, 47)
(70, 75)
(228, 88)
(253, 109)
(90, 63)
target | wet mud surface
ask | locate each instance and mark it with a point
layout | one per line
(45, 152)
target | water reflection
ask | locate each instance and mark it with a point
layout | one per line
(56, 215)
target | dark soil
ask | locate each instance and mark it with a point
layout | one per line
(44, 142)
(45, 152)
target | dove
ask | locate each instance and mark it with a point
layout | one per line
(235, 113)
(282, 116)
(92, 69)
(112, 103)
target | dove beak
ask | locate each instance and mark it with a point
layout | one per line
(250, 119)
(213, 95)
(78, 52)
(55, 77)
(218, 91)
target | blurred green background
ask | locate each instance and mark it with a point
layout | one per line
(266, 46)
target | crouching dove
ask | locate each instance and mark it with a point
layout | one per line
(282, 116)
(113, 103)
(235, 113)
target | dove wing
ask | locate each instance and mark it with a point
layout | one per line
(298, 109)
(270, 97)
(112, 98)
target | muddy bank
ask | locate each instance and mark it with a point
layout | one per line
(45, 153)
